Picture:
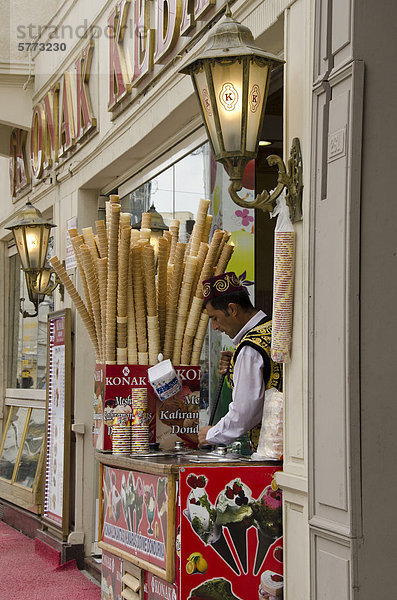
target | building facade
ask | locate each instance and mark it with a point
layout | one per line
(94, 104)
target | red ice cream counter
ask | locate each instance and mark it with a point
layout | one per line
(187, 527)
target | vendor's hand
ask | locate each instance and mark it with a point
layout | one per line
(202, 435)
(224, 361)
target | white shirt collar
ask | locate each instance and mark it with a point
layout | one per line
(251, 323)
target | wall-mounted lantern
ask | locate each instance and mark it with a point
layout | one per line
(231, 79)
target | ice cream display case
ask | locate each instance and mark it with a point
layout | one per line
(191, 525)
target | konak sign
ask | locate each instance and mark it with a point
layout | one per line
(65, 115)
(59, 121)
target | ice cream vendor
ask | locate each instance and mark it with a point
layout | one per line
(250, 368)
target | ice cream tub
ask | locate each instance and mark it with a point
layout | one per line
(164, 379)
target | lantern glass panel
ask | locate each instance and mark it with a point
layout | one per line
(228, 86)
(257, 87)
(37, 243)
(42, 281)
(21, 246)
(206, 105)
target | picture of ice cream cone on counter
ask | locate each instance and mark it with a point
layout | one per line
(139, 502)
(202, 517)
(162, 504)
(234, 511)
(128, 498)
(267, 515)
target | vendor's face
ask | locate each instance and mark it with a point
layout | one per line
(223, 322)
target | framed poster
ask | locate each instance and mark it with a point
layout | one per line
(138, 519)
(58, 421)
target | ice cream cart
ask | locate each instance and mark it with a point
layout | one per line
(190, 525)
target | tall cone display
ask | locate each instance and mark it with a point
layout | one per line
(138, 305)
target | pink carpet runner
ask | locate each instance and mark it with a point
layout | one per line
(29, 575)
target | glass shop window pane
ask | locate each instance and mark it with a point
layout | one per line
(32, 446)
(12, 441)
(27, 337)
(175, 192)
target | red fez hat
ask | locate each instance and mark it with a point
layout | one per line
(221, 285)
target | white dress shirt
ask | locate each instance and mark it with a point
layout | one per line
(245, 410)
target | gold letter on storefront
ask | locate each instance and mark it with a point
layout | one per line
(143, 41)
(118, 81)
(169, 16)
(85, 116)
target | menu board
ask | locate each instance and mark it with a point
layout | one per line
(56, 492)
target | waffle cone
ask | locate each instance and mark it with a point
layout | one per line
(146, 220)
(202, 254)
(102, 269)
(162, 273)
(198, 229)
(143, 358)
(199, 339)
(168, 237)
(149, 277)
(78, 302)
(207, 228)
(113, 237)
(174, 231)
(131, 327)
(209, 263)
(190, 269)
(153, 322)
(176, 278)
(89, 239)
(135, 235)
(111, 315)
(77, 241)
(102, 238)
(145, 234)
(72, 232)
(122, 356)
(125, 220)
(122, 332)
(124, 252)
(194, 317)
(224, 258)
(92, 282)
(139, 298)
(224, 240)
(187, 347)
(107, 211)
(169, 332)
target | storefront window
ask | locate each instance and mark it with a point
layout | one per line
(32, 446)
(175, 192)
(12, 440)
(27, 337)
(22, 445)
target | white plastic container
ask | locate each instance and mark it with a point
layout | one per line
(164, 380)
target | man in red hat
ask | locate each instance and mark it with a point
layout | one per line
(250, 368)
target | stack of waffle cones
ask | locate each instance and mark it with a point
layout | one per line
(137, 304)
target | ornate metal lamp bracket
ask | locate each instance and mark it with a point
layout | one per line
(290, 178)
(50, 287)
(25, 314)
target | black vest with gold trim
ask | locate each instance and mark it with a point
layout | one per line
(259, 338)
